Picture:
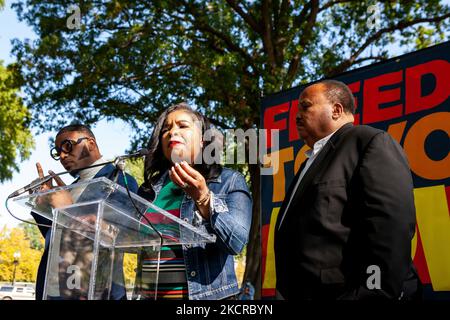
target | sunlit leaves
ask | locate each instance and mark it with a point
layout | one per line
(132, 58)
(15, 137)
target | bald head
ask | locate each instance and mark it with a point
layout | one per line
(323, 108)
(339, 92)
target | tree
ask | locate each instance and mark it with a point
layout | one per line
(15, 240)
(15, 136)
(33, 235)
(131, 59)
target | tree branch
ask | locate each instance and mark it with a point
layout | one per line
(302, 15)
(281, 27)
(267, 34)
(304, 40)
(283, 15)
(344, 65)
(202, 26)
(378, 58)
(310, 24)
(246, 16)
(332, 3)
(218, 123)
(228, 42)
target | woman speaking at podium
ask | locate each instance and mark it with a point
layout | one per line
(217, 199)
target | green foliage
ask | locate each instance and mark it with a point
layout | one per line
(15, 137)
(15, 240)
(136, 169)
(131, 59)
(425, 37)
(33, 235)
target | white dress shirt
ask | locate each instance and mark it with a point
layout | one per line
(311, 154)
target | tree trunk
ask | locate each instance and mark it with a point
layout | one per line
(253, 258)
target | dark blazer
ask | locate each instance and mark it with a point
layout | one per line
(107, 171)
(354, 208)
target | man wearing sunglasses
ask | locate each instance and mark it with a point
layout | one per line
(76, 148)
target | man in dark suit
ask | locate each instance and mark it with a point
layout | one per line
(76, 148)
(344, 230)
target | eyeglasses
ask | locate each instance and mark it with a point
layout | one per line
(66, 147)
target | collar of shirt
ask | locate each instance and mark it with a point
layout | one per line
(90, 173)
(318, 145)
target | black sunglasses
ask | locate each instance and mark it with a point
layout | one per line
(66, 147)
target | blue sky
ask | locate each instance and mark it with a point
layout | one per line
(113, 137)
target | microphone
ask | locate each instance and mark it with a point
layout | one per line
(119, 162)
(31, 186)
(38, 182)
(141, 153)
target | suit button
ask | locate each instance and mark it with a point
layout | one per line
(193, 274)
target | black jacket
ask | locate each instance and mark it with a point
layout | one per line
(353, 209)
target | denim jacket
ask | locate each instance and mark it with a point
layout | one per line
(210, 268)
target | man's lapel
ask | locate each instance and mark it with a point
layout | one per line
(288, 194)
(105, 171)
(323, 158)
(313, 170)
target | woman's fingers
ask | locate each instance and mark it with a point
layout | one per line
(175, 177)
(191, 171)
(185, 176)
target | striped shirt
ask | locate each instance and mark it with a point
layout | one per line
(172, 282)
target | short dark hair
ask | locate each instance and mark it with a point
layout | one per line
(339, 92)
(76, 127)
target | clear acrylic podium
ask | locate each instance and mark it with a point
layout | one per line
(90, 236)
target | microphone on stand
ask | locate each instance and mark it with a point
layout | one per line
(141, 153)
(117, 162)
(31, 186)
